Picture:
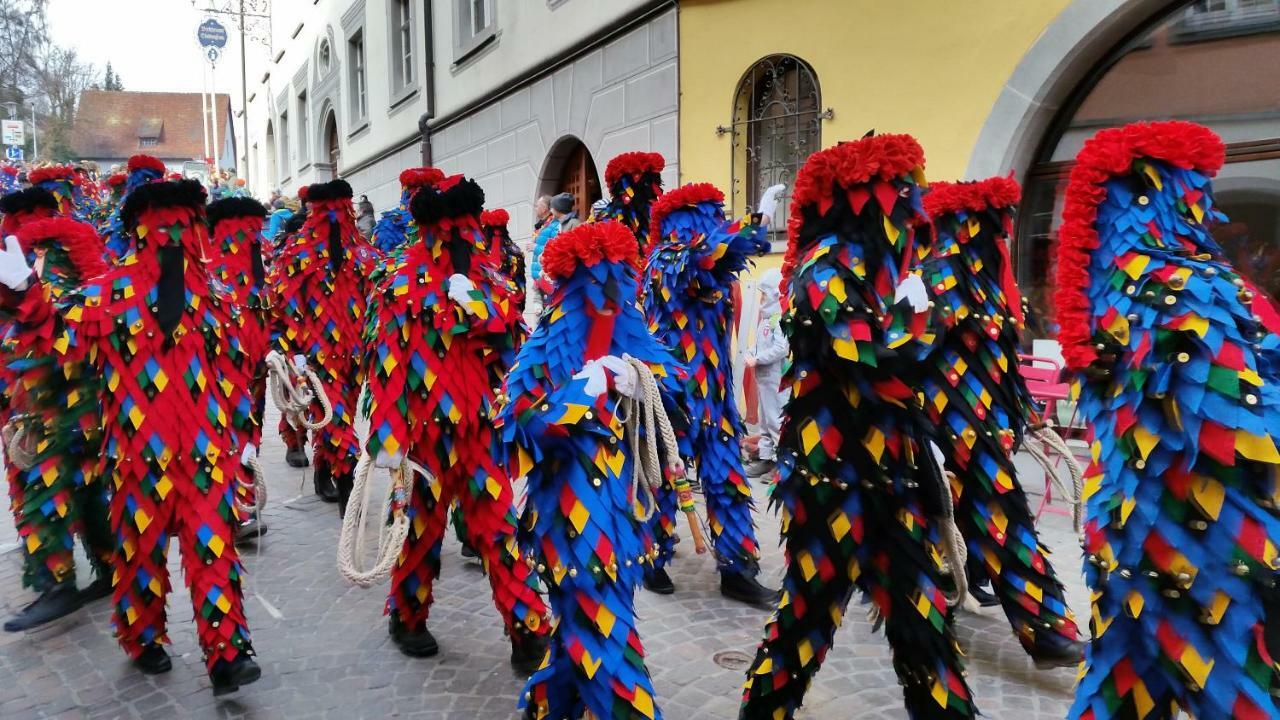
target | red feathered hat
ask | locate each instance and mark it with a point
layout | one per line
(1108, 154)
(420, 177)
(145, 162)
(302, 192)
(682, 197)
(587, 245)
(51, 172)
(995, 193)
(494, 218)
(633, 164)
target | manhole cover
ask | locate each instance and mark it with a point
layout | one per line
(732, 660)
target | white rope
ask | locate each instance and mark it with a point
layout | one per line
(259, 486)
(646, 424)
(1074, 494)
(351, 543)
(953, 545)
(293, 392)
(17, 442)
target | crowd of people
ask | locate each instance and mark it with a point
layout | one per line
(144, 328)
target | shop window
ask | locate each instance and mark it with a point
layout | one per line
(1162, 74)
(777, 124)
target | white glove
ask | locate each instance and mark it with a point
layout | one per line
(388, 461)
(913, 291)
(769, 201)
(460, 287)
(593, 373)
(938, 457)
(300, 364)
(15, 273)
(274, 356)
(250, 452)
(624, 376)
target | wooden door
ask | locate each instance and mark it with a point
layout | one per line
(579, 178)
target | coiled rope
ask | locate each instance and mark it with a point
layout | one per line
(258, 487)
(351, 543)
(294, 391)
(1074, 494)
(19, 445)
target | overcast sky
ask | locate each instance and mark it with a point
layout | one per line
(150, 43)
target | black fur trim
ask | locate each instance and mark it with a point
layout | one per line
(151, 196)
(334, 190)
(28, 199)
(430, 205)
(233, 207)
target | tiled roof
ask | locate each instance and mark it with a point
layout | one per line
(109, 124)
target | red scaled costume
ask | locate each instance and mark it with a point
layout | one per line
(443, 337)
(166, 342)
(319, 289)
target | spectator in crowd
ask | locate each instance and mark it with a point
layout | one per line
(767, 357)
(541, 213)
(365, 216)
(562, 218)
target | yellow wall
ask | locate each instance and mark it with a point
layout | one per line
(931, 68)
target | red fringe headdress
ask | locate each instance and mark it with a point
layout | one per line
(587, 245)
(633, 164)
(82, 243)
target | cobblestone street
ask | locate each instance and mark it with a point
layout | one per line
(325, 652)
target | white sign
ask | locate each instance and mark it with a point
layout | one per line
(12, 132)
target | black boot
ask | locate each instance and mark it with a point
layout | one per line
(656, 580)
(251, 528)
(1052, 650)
(98, 589)
(153, 660)
(227, 677)
(342, 485)
(417, 642)
(469, 554)
(745, 588)
(323, 483)
(527, 651)
(978, 579)
(58, 601)
(296, 457)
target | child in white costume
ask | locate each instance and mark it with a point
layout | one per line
(767, 357)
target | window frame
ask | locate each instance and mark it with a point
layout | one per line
(467, 41)
(303, 102)
(402, 59)
(282, 139)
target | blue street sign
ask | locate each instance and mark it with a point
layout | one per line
(211, 33)
(13, 153)
(212, 54)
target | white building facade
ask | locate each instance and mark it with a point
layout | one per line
(529, 97)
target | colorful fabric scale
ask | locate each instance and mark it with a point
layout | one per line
(164, 341)
(395, 230)
(976, 398)
(504, 255)
(1178, 380)
(693, 263)
(56, 404)
(318, 288)
(635, 183)
(580, 527)
(857, 487)
(140, 169)
(434, 366)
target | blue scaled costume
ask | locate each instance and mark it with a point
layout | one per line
(565, 431)
(861, 493)
(693, 263)
(1180, 384)
(395, 229)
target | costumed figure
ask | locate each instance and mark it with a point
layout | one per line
(395, 229)
(443, 337)
(694, 261)
(1179, 382)
(574, 408)
(635, 183)
(235, 224)
(164, 341)
(767, 358)
(63, 182)
(53, 434)
(140, 170)
(318, 288)
(504, 255)
(861, 489)
(977, 399)
(9, 178)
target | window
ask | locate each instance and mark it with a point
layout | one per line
(148, 142)
(777, 124)
(284, 144)
(303, 120)
(1190, 86)
(325, 56)
(358, 83)
(401, 45)
(1208, 19)
(475, 26)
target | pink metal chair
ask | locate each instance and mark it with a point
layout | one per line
(1043, 376)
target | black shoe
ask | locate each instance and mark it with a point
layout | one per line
(469, 554)
(322, 482)
(527, 652)
(227, 677)
(251, 528)
(982, 595)
(746, 589)
(153, 660)
(658, 581)
(759, 468)
(416, 643)
(58, 601)
(296, 457)
(98, 589)
(1052, 650)
(343, 484)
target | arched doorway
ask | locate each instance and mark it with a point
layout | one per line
(333, 150)
(1173, 67)
(273, 178)
(570, 168)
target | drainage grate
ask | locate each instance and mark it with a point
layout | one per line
(732, 660)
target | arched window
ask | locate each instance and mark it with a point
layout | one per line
(777, 124)
(1199, 61)
(272, 177)
(325, 57)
